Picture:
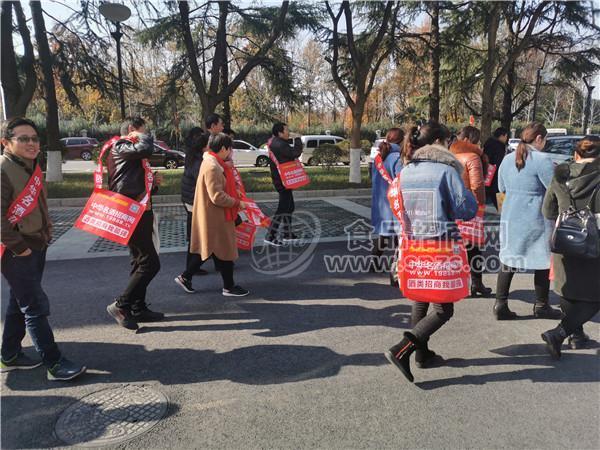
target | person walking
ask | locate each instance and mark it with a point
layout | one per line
(280, 230)
(196, 145)
(127, 176)
(524, 176)
(214, 124)
(577, 280)
(434, 196)
(216, 205)
(26, 233)
(387, 165)
(468, 152)
(495, 150)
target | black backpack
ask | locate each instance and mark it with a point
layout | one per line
(576, 231)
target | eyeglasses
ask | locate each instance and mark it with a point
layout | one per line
(27, 139)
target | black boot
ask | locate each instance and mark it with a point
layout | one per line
(543, 310)
(478, 288)
(578, 339)
(426, 358)
(399, 354)
(502, 312)
(554, 339)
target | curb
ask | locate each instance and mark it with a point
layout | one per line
(163, 199)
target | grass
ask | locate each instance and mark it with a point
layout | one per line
(255, 180)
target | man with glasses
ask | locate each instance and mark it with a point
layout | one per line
(26, 230)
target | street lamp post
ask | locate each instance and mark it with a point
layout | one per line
(116, 14)
(538, 82)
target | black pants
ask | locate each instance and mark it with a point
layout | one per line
(282, 220)
(475, 260)
(576, 314)
(491, 197)
(193, 261)
(424, 325)
(224, 267)
(144, 264)
(541, 283)
(28, 307)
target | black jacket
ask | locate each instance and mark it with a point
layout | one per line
(284, 152)
(495, 151)
(575, 278)
(125, 170)
(193, 160)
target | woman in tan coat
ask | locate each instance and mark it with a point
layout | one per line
(216, 204)
(468, 152)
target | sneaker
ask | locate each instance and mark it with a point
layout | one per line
(65, 370)
(578, 340)
(19, 362)
(273, 241)
(122, 316)
(236, 291)
(545, 311)
(146, 315)
(186, 285)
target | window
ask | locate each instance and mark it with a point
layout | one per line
(311, 144)
(326, 141)
(239, 145)
(560, 147)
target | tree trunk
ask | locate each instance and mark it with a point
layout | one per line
(487, 94)
(588, 106)
(355, 147)
(226, 104)
(434, 53)
(54, 168)
(507, 114)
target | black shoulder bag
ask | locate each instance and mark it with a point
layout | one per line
(576, 231)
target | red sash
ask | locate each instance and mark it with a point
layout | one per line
(246, 231)
(473, 230)
(429, 270)
(292, 173)
(111, 215)
(489, 176)
(26, 201)
(381, 169)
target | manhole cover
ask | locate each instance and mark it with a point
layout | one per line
(111, 416)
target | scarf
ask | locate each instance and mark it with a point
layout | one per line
(230, 187)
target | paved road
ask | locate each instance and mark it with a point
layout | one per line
(299, 364)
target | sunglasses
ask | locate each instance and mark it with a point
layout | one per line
(27, 139)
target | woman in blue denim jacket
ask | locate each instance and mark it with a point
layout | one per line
(434, 197)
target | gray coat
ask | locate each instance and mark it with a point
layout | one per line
(575, 278)
(524, 232)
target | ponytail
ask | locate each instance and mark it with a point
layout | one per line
(528, 136)
(417, 137)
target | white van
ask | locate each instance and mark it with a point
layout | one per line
(556, 132)
(313, 141)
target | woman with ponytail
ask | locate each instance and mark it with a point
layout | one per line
(385, 168)
(433, 196)
(524, 176)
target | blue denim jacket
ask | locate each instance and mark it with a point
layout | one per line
(435, 195)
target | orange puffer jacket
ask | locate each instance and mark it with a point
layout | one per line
(470, 156)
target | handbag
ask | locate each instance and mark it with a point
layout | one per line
(576, 232)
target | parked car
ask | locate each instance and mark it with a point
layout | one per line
(374, 150)
(79, 147)
(165, 156)
(246, 153)
(557, 132)
(313, 141)
(561, 148)
(512, 144)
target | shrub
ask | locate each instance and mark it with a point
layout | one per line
(327, 154)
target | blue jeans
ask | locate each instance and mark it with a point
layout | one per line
(28, 307)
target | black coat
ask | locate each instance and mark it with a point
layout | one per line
(495, 151)
(284, 152)
(575, 278)
(193, 160)
(125, 171)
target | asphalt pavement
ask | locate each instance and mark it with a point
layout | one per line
(299, 363)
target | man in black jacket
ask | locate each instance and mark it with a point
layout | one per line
(283, 152)
(126, 175)
(495, 149)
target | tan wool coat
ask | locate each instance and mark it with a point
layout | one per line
(211, 233)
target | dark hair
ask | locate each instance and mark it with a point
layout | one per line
(217, 141)
(588, 147)
(500, 131)
(393, 136)
(528, 135)
(135, 122)
(427, 134)
(471, 133)
(278, 128)
(229, 131)
(8, 130)
(212, 119)
(196, 140)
